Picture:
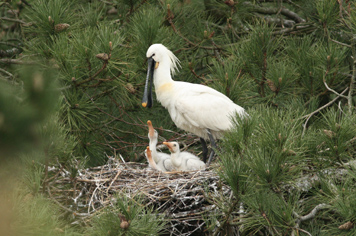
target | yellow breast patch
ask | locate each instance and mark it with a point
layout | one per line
(165, 87)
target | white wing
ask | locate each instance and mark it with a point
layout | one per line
(165, 163)
(193, 164)
(203, 107)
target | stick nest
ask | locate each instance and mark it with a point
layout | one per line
(183, 197)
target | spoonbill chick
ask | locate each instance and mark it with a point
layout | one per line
(162, 160)
(183, 161)
(195, 108)
(150, 160)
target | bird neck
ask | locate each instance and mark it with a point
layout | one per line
(153, 147)
(176, 161)
(162, 75)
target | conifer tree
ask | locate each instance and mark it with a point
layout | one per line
(291, 64)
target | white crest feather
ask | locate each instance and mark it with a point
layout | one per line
(174, 62)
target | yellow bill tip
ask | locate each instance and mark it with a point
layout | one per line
(144, 104)
(156, 66)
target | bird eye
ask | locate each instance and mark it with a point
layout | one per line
(174, 145)
(154, 54)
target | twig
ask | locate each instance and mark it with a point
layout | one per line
(353, 77)
(319, 109)
(117, 175)
(13, 20)
(16, 61)
(65, 208)
(312, 214)
(269, 10)
(303, 230)
(6, 72)
(309, 216)
(195, 74)
(343, 44)
(330, 89)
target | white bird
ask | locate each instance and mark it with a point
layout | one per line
(162, 160)
(195, 108)
(151, 162)
(183, 161)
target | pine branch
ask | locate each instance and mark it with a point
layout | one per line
(269, 11)
(319, 109)
(279, 22)
(170, 20)
(7, 73)
(331, 90)
(227, 217)
(105, 58)
(17, 61)
(297, 29)
(353, 77)
(302, 230)
(309, 216)
(195, 74)
(340, 43)
(10, 52)
(14, 20)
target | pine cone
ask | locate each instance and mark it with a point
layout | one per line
(103, 56)
(230, 3)
(329, 133)
(124, 225)
(289, 152)
(60, 27)
(112, 11)
(348, 225)
(124, 222)
(271, 85)
(130, 88)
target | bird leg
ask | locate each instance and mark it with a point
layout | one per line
(205, 149)
(213, 146)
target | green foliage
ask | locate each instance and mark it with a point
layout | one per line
(148, 28)
(327, 12)
(22, 109)
(340, 196)
(31, 136)
(82, 101)
(228, 80)
(269, 149)
(261, 154)
(138, 219)
(275, 212)
(351, 19)
(46, 15)
(264, 159)
(258, 47)
(335, 138)
(31, 216)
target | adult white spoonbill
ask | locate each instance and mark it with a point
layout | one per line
(163, 160)
(195, 108)
(183, 161)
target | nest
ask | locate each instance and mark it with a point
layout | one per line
(183, 197)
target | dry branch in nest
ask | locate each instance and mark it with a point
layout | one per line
(180, 196)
